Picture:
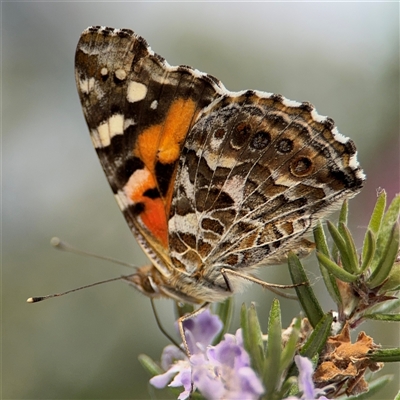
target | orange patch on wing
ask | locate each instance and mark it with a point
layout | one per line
(155, 219)
(160, 143)
(153, 215)
(163, 142)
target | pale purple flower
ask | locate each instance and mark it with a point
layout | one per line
(218, 372)
(305, 381)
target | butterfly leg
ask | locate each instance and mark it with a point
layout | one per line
(182, 319)
(273, 287)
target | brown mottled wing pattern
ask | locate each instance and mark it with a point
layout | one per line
(256, 173)
(139, 111)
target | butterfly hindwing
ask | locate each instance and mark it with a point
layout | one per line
(256, 173)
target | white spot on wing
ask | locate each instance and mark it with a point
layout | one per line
(122, 200)
(136, 92)
(129, 122)
(136, 179)
(86, 85)
(120, 74)
(106, 131)
(154, 104)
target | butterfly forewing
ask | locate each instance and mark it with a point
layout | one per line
(139, 111)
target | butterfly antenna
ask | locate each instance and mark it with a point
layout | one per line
(49, 296)
(61, 245)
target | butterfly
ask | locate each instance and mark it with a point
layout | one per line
(212, 183)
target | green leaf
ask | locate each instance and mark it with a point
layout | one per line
(274, 349)
(385, 355)
(351, 247)
(383, 317)
(368, 250)
(304, 292)
(342, 218)
(320, 239)
(389, 219)
(244, 324)
(344, 211)
(149, 365)
(387, 259)
(386, 307)
(329, 279)
(393, 281)
(289, 387)
(289, 350)
(342, 247)
(377, 215)
(317, 340)
(374, 226)
(397, 397)
(256, 352)
(224, 310)
(337, 271)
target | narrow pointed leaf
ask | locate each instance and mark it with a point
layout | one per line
(389, 219)
(375, 222)
(149, 365)
(288, 352)
(244, 324)
(316, 342)
(322, 247)
(342, 218)
(274, 349)
(368, 250)
(386, 307)
(318, 338)
(257, 345)
(383, 317)
(351, 247)
(332, 267)
(385, 355)
(377, 215)
(344, 211)
(393, 281)
(388, 257)
(304, 292)
(289, 387)
(342, 247)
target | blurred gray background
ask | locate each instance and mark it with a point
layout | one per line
(342, 57)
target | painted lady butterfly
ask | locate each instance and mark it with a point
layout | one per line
(212, 183)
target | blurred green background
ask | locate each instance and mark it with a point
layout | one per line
(342, 57)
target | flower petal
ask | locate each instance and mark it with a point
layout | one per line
(305, 380)
(203, 328)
